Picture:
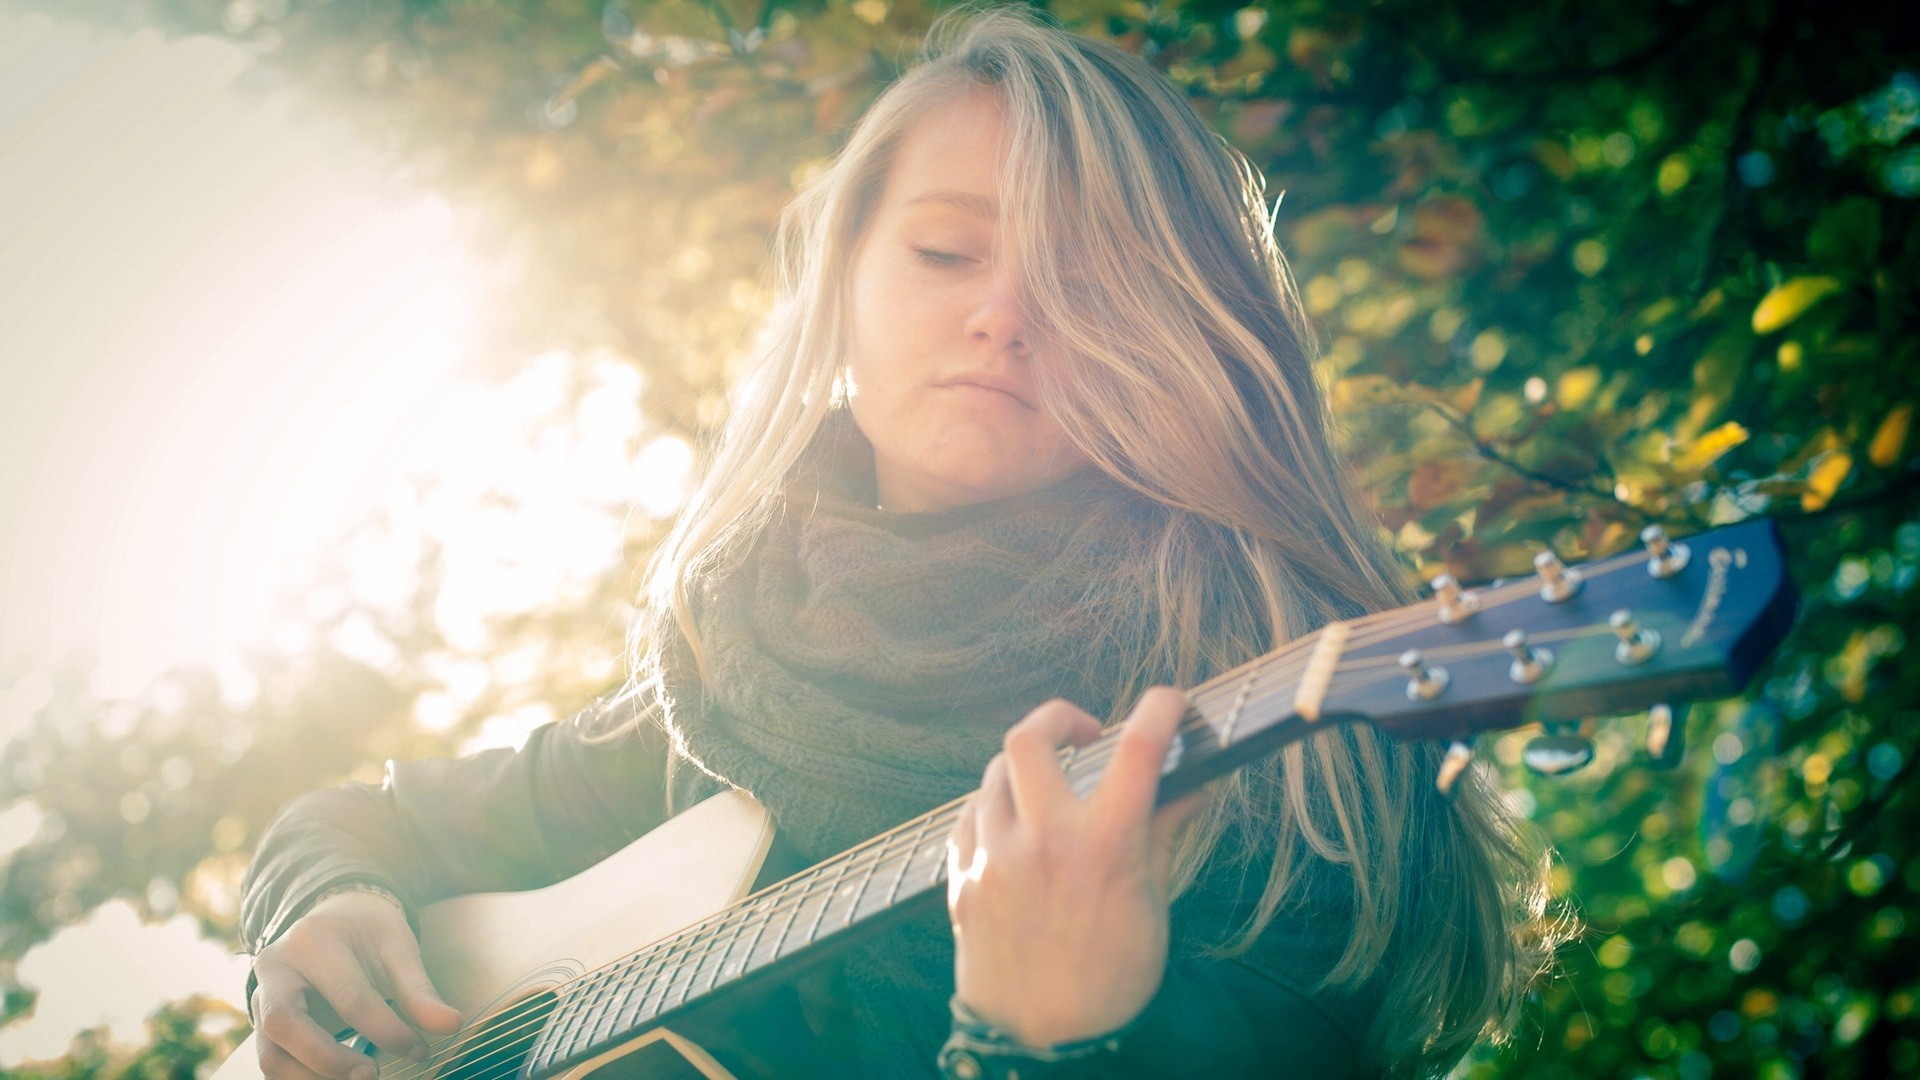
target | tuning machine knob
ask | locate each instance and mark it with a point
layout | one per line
(1558, 750)
(1529, 664)
(1456, 604)
(1665, 557)
(1558, 581)
(1637, 643)
(1666, 737)
(1459, 756)
(1424, 681)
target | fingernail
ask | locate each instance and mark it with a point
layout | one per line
(364, 1071)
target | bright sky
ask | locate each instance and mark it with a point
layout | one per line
(217, 317)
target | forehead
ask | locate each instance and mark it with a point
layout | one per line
(949, 161)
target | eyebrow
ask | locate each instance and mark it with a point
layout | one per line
(965, 201)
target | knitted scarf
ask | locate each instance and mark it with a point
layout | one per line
(866, 662)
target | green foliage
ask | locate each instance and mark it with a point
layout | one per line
(1579, 268)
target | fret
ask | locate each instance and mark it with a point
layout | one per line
(723, 932)
(733, 932)
(758, 916)
(826, 901)
(939, 867)
(576, 1012)
(633, 1011)
(693, 975)
(652, 966)
(779, 943)
(625, 977)
(920, 835)
(599, 1009)
(877, 860)
(662, 978)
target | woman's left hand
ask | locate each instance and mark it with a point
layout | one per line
(1059, 902)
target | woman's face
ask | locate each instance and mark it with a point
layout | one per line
(941, 370)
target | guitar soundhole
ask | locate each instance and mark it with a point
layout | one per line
(496, 1048)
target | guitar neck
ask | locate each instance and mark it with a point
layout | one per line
(1621, 633)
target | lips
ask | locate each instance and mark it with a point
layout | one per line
(992, 382)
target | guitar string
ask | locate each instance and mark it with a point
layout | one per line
(1103, 749)
(1097, 753)
(504, 1035)
(799, 893)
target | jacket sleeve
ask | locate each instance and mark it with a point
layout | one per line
(498, 820)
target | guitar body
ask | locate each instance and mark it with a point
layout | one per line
(491, 954)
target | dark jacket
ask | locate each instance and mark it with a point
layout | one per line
(504, 820)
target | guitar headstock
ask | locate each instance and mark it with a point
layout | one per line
(1670, 621)
(1674, 620)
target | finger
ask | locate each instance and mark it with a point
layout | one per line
(344, 981)
(960, 848)
(277, 1064)
(996, 811)
(285, 1023)
(412, 990)
(1033, 759)
(962, 839)
(1132, 780)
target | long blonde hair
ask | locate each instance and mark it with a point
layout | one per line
(1170, 343)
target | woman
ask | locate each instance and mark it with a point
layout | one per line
(1035, 432)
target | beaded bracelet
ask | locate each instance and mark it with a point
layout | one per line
(979, 1051)
(353, 887)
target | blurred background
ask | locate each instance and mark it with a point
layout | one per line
(355, 354)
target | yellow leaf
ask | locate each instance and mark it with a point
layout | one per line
(1892, 436)
(1576, 386)
(1788, 300)
(1825, 479)
(1707, 448)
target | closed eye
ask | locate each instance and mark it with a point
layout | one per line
(940, 258)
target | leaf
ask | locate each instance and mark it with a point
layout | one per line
(1825, 479)
(1577, 386)
(1448, 236)
(1707, 448)
(1788, 300)
(1891, 438)
(1437, 481)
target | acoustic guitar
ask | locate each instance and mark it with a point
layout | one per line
(626, 966)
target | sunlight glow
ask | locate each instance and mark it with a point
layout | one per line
(219, 317)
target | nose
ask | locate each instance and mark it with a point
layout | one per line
(998, 319)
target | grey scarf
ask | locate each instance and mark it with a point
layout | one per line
(866, 663)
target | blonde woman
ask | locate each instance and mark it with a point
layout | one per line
(1035, 439)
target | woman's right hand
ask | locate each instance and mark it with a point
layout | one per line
(344, 959)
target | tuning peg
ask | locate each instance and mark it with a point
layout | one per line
(1455, 603)
(1665, 557)
(1459, 755)
(1424, 683)
(1561, 749)
(1666, 742)
(1637, 643)
(1529, 663)
(1558, 581)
